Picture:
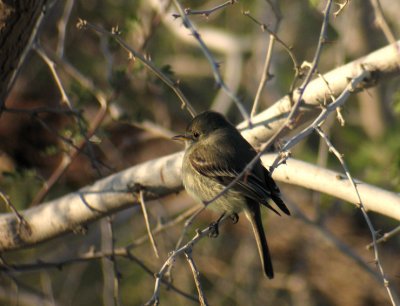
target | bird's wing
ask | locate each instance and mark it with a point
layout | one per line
(275, 192)
(222, 167)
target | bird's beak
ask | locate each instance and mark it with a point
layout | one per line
(181, 137)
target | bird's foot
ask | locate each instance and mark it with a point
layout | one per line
(214, 229)
(235, 218)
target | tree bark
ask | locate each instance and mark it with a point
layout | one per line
(19, 21)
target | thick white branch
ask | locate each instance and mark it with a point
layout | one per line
(156, 178)
(336, 184)
(382, 62)
(161, 177)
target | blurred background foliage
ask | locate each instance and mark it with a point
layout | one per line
(144, 113)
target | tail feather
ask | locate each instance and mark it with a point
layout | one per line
(253, 213)
(275, 192)
(278, 201)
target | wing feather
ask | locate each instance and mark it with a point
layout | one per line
(224, 170)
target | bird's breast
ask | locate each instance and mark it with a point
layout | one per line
(203, 189)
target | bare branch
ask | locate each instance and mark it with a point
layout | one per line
(110, 271)
(94, 124)
(146, 220)
(196, 277)
(380, 63)
(360, 204)
(133, 54)
(342, 6)
(267, 62)
(208, 12)
(334, 183)
(215, 67)
(381, 21)
(51, 65)
(386, 237)
(288, 124)
(164, 226)
(324, 113)
(154, 300)
(313, 67)
(90, 255)
(273, 34)
(340, 245)
(62, 27)
(23, 225)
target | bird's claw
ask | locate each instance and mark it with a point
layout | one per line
(214, 230)
(235, 218)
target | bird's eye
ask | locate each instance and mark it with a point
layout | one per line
(196, 135)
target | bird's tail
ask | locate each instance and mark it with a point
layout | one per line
(253, 213)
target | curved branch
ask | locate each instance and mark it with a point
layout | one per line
(381, 63)
(156, 178)
(336, 184)
(160, 177)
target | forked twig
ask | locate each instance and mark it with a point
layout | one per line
(385, 237)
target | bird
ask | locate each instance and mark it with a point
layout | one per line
(215, 155)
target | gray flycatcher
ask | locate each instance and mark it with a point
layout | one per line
(216, 153)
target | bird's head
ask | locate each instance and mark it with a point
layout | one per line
(203, 125)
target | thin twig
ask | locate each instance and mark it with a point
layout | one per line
(46, 287)
(34, 24)
(184, 231)
(339, 115)
(38, 110)
(208, 12)
(109, 263)
(341, 7)
(265, 76)
(326, 111)
(165, 226)
(381, 21)
(22, 223)
(62, 27)
(214, 65)
(196, 277)
(94, 124)
(341, 246)
(133, 54)
(88, 256)
(321, 41)
(188, 223)
(296, 67)
(146, 220)
(67, 160)
(267, 62)
(108, 56)
(40, 51)
(154, 300)
(154, 128)
(290, 119)
(288, 49)
(339, 156)
(385, 237)
(69, 141)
